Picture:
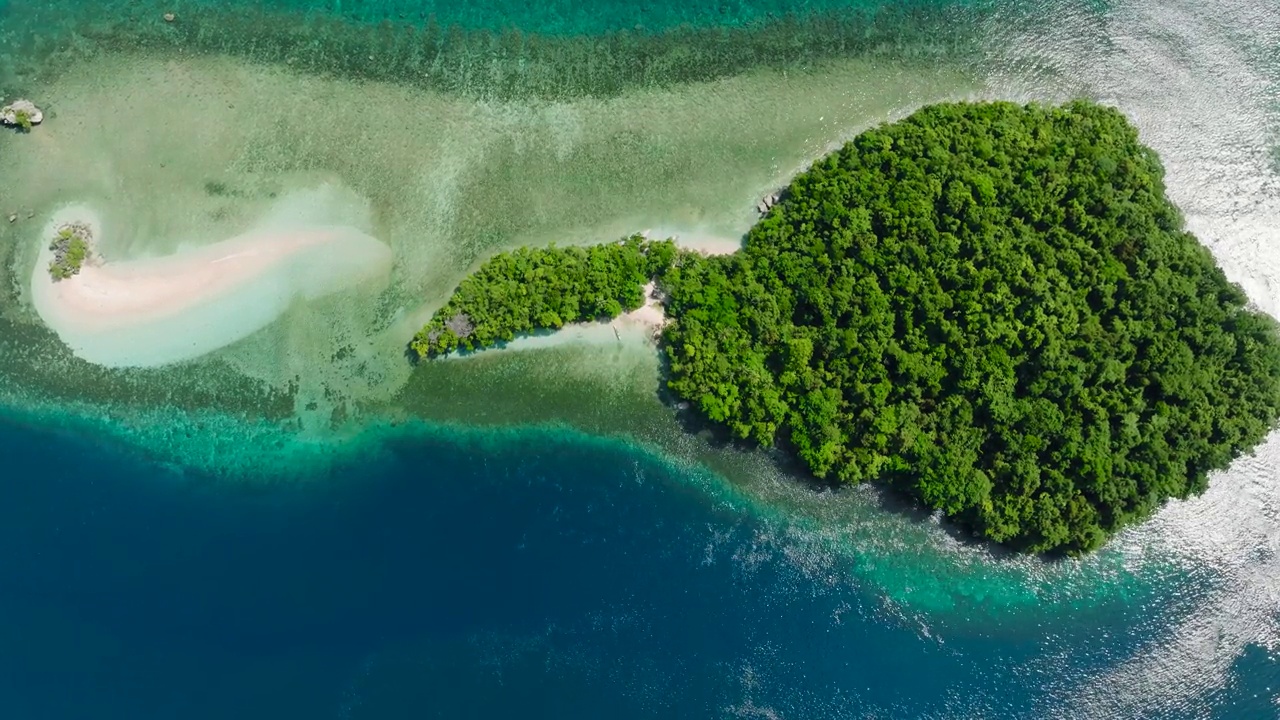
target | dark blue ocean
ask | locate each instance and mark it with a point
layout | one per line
(525, 576)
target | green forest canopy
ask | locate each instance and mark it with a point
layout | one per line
(993, 308)
(990, 307)
(543, 289)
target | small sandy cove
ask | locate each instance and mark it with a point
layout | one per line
(642, 325)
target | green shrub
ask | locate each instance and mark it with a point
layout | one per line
(70, 249)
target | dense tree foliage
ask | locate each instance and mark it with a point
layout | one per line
(542, 289)
(993, 308)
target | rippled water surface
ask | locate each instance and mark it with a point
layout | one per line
(303, 524)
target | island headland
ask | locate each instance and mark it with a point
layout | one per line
(989, 307)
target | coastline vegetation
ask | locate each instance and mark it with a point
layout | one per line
(528, 289)
(70, 248)
(992, 308)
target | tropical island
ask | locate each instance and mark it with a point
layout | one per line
(992, 308)
(21, 114)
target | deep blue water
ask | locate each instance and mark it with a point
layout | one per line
(522, 577)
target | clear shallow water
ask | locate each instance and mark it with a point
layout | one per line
(566, 17)
(270, 528)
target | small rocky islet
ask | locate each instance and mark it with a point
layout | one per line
(21, 114)
(72, 247)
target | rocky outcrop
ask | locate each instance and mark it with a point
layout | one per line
(769, 201)
(21, 114)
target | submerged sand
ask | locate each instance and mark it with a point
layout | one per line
(155, 311)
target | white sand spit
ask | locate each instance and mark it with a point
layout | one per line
(155, 311)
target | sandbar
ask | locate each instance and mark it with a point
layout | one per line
(702, 241)
(155, 311)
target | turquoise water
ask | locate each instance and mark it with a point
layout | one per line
(304, 525)
(565, 17)
(506, 50)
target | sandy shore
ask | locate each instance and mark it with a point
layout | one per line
(651, 315)
(704, 242)
(160, 310)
